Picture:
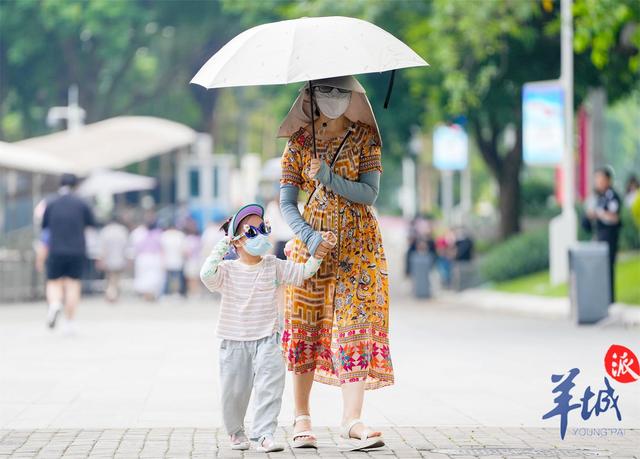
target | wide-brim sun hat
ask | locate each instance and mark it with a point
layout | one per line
(249, 209)
(359, 108)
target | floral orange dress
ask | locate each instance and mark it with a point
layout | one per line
(337, 322)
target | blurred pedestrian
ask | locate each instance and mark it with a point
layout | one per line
(192, 257)
(41, 247)
(419, 233)
(66, 217)
(173, 249)
(113, 241)
(445, 252)
(281, 232)
(149, 273)
(463, 245)
(632, 190)
(632, 199)
(605, 215)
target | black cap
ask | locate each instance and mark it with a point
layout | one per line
(68, 180)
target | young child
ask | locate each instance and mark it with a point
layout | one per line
(250, 354)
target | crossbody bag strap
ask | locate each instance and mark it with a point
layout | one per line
(333, 162)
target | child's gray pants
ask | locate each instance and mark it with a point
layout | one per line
(247, 365)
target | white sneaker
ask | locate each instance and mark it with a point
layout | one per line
(69, 327)
(53, 313)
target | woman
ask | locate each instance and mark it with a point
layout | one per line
(148, 270)
(192, 257)
(113, 241)
(337, 323)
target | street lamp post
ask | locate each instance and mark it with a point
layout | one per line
(563, 229)
(73, 113)
(411, 174)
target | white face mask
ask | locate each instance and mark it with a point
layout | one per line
(333, 104)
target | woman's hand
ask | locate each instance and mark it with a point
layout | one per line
(314, 167)
(329, 240)
(330, 237)
(323, 249)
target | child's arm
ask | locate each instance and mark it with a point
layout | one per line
(289, 272)
(310, 268)
(210, 274)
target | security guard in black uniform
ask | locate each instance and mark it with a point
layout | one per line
(606, 217)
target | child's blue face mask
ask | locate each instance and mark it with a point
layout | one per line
(258, 245)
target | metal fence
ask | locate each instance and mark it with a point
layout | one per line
(19, 280)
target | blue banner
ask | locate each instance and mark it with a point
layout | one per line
(450, 147)
(543, 123)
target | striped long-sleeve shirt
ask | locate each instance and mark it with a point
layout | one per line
(248, 310)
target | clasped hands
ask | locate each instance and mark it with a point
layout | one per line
(329, 240)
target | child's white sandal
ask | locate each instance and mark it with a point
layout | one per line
(271, 447)
(298, 442)
(350, 443)
(239, 442)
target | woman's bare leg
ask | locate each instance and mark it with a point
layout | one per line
(352, 400)
(301, 391)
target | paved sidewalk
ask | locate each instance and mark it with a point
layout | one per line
(154, 365)
(139, 380)
(402, 442)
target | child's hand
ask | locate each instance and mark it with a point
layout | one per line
(222, 247)
(288, 247)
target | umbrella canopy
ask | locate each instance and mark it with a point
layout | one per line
(114, 182)
(305, 49)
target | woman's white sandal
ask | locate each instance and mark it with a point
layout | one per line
(364, 442)
(310, 441)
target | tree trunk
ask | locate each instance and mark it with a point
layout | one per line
(505, 169)
(509, 202)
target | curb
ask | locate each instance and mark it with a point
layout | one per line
(557, 308)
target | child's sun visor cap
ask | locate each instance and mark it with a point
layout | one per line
(249, 209)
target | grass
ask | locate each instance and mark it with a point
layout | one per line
(627, 282)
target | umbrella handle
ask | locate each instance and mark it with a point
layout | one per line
(313, 123)
(389, 88)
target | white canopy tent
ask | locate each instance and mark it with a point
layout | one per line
(112, 143)
(18, 157)
(114, 182)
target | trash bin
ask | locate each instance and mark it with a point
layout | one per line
(420, 265)
(589, 281)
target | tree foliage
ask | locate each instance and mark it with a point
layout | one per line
(127, 57)
(137, 57)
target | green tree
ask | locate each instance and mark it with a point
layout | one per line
(481, 56)
(127, 57)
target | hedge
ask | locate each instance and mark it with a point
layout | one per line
(517, 256)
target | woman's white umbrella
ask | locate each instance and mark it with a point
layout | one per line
(306, 49)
